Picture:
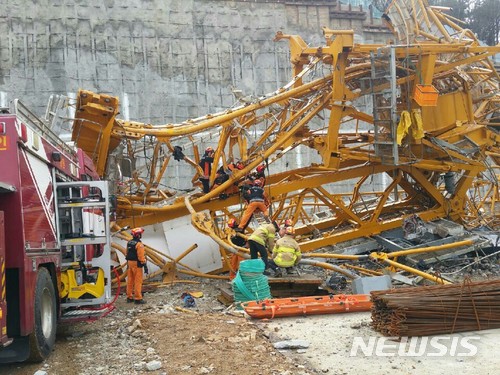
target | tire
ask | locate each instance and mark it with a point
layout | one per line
(43, 337)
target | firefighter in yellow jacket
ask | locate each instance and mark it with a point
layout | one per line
(286, 252)
(261, 241)
(136, 261)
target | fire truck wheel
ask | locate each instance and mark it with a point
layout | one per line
(43, 337)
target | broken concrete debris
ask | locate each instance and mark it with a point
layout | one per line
(365, 285)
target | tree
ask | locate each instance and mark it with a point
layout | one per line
(481, 16)
(459, 8)
(485, 21)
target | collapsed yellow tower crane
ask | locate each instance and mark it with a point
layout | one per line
(432, 131)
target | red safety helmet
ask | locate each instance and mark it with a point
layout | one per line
(260, 168)
(288, 223)
(137, 232)
(258, 183)
(232, 223)
(209, 150)
(238, 165)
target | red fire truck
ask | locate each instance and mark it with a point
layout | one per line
(55, 263)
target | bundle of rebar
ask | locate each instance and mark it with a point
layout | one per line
(438, 309)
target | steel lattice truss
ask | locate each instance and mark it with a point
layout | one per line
(460, 136)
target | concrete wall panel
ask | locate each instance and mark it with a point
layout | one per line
(172, 59)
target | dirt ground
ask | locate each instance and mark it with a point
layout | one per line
(205, 339)
(163, 337)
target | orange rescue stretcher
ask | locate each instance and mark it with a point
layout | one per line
(314, 305)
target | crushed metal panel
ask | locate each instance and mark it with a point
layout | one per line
(357, 246)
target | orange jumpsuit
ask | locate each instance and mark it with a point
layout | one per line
(257, 200)
(251, 208)
(134, 274)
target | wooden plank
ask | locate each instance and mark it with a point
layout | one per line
(226, 296)
(302, 279)
(288, 286)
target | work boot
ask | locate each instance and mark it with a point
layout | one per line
(139, 302)
(130, 300)
(269, 272)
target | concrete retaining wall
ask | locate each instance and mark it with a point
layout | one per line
(167, 60)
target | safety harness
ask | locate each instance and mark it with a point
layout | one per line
(256, 194)
(132, 250)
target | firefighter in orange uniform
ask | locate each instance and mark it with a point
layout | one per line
(237, 240)
(136, 261)
(257, 201)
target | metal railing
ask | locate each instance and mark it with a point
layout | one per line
(28, 117)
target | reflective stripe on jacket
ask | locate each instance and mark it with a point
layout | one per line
(284, 256)
(287, 252)
(264, 234)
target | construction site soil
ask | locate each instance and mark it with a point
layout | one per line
(164, 337)
(205, 339)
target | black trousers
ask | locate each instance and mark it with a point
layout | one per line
(256, 249)
(206, 184)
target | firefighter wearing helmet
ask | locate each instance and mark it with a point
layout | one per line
(261, 241)
(257, 201)
(259, 174)
(136, 261)
(223, 174)
(238, 240)
(286, 252)
(206, 165)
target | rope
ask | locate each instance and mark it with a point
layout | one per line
(250, 287)
(240, 286)
(250, 284)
